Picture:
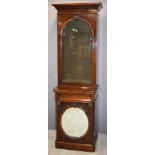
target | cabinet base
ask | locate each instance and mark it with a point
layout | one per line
(75, 146)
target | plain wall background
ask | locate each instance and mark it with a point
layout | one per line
(101, 69)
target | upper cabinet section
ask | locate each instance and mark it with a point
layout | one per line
(77, 43)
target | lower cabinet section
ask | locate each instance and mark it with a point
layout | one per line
(75, 126)
(75, 118)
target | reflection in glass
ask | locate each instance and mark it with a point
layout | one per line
(76, 52)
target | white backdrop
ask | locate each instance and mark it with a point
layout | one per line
(101, 59)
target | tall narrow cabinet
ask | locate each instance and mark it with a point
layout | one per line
(76, 93)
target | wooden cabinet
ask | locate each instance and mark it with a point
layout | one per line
(75, 94)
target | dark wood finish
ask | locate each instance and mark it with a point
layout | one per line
(77, 94)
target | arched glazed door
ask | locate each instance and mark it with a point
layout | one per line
(76, 52)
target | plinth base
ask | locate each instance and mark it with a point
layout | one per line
(75, 146)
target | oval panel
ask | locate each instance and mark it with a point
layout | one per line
(74, 122)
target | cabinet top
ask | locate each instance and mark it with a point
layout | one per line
(87, 6)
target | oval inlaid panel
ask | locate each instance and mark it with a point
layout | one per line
(74, 122)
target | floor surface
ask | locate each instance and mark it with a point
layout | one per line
(101, 147)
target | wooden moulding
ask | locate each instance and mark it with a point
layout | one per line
(78, 8)
(75, 94)
(75, 146)
(75, 89)
(69, 8)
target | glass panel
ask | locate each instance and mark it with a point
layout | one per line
(76, 52)
(74, 122)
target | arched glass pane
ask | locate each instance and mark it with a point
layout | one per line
(76, 52)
